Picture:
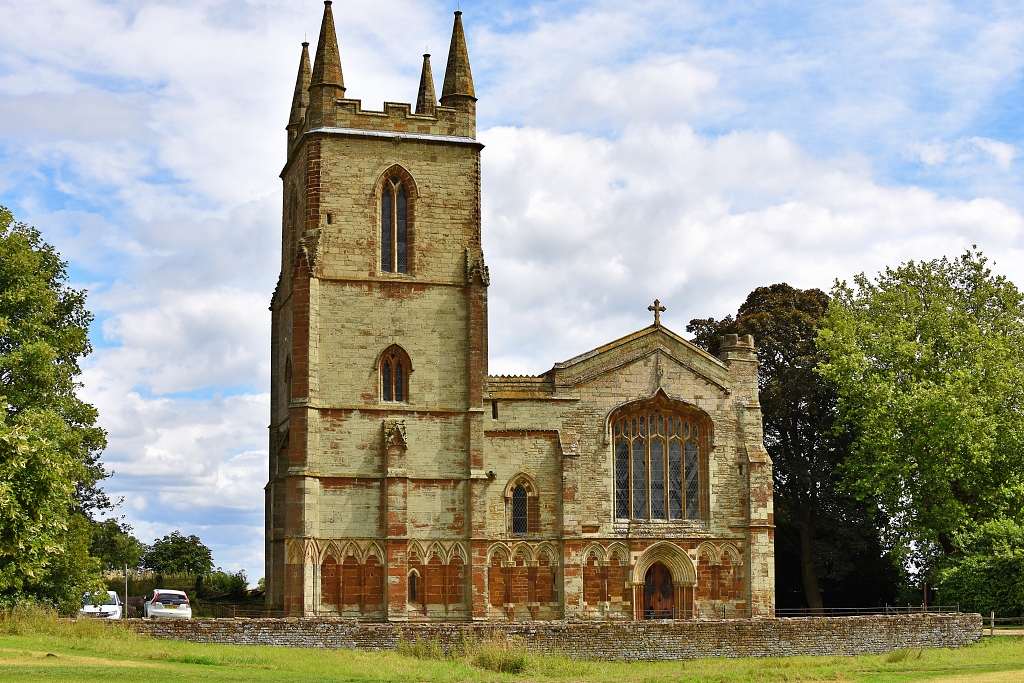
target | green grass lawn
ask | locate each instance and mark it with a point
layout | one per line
(59, 651)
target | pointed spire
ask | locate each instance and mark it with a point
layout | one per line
(426, 100)
(458, 80)
(327, 67)
(300, 100)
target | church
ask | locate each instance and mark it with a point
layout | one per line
(405, 483)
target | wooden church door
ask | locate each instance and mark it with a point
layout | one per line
(658, 592)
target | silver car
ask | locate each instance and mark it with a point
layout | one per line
(166, 603)
(104, 605)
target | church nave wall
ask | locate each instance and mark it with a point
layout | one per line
(534, 454)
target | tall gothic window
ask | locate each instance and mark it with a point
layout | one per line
(519, 520)
(394, 375)
(394, 227)
(657, 465)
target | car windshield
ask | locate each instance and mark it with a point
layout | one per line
(99, 599)
(171, 599)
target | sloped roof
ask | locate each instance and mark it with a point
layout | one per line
(612, 356)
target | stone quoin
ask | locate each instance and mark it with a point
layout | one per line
(405, 483)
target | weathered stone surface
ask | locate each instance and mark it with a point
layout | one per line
(434, 504)
(624, 641)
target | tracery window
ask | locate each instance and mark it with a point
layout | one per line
(658, 464)
(394, 227)
(394, 375)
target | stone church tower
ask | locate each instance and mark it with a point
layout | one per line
(405, 483)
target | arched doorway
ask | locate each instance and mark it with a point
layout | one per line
(659, 593)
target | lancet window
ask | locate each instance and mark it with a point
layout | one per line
(414, 595)
(394, 226)
(522, 505)
(658, 465)
(394, 375)
(519, 521)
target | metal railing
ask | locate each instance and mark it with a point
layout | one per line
(864, 611)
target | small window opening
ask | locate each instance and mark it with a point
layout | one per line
(494, 410)
(328, 218)
(741, 470)
(519, 521)
(413, 596)
(395, 368)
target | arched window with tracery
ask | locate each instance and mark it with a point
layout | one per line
(394, 370)
(394, 226)
(659, 463)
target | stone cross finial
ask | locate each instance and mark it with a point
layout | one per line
(657, 308)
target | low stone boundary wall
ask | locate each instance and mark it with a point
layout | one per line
(626, 640)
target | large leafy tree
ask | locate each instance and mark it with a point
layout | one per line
(823, 534)
(49, 441)
(114, 545)
(928, 359)
(987, 572)
(178, 554)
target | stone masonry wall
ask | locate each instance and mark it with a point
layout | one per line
(650, 640)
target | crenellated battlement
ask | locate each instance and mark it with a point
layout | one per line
(397, 117)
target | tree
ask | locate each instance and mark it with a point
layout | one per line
(822, 533)
(114, 546)
(928, 360)
(49, 441)
(177, 554)
(72, 572)
(987, 573)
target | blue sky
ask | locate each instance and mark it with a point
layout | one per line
(688, 151)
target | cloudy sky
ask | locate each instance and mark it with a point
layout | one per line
(677, 149)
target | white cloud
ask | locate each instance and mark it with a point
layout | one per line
(1002, 153)
(682, 150)
(582, 233)
(966, 150)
